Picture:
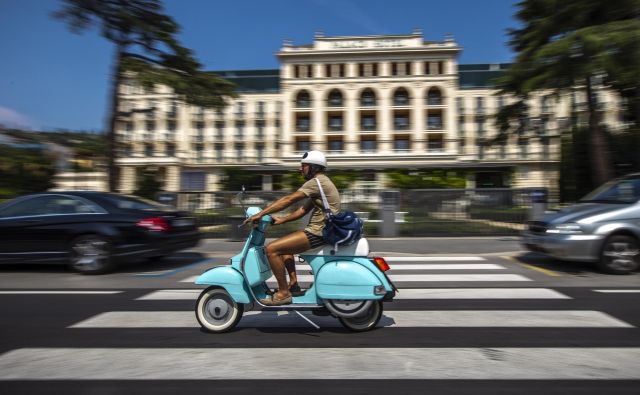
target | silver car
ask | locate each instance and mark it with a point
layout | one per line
(603, 227)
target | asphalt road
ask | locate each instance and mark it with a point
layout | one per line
(472, 316)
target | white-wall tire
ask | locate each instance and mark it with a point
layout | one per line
(216, 310)
(365, 322)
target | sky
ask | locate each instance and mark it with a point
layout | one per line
(51, 78)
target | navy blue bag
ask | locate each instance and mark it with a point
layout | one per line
(341, 229)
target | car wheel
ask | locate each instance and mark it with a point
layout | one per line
(90, 254)
(620, 255)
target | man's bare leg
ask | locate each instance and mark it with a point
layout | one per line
(293, 243)
(290, 264)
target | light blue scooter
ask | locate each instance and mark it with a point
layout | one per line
(348, 285)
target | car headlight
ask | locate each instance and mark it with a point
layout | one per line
(567, 229)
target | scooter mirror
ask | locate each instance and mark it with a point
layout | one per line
(240, 196)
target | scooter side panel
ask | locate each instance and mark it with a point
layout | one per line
(227, 278)
(346, 280)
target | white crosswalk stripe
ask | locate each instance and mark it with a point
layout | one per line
(328, 363)
(405, 293)
(391, 319)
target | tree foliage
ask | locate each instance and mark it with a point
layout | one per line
(425, 179)
(25, 170)
(147, 50)
(568, 44)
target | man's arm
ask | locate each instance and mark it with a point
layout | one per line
(299, 213)
(278, 205)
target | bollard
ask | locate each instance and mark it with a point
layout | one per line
(538, 204)
(390, 203)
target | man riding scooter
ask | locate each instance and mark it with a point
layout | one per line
(280, 251)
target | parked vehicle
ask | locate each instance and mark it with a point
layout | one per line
(91, 231)
(348, 284)
(603, 227)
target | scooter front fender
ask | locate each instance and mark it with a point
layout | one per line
(229, 279)
(346, 280)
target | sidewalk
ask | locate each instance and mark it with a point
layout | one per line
(498, 245)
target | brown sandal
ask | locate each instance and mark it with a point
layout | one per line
(273, 301)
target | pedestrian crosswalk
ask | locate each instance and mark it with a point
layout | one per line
(459, 295)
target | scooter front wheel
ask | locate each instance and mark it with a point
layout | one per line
(366, 321)
(216, 310)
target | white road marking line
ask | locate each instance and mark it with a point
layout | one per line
(618, 291)
(405, 293)
(59, 292)
(432, 266)
(508, 363)
(480, 293)
(304, 278)
(432, 258)
(393, 319)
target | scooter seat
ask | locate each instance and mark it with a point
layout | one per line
(359, 248)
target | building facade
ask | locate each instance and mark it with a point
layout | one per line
(371, 103)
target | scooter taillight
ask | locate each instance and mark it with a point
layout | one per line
(381, 263)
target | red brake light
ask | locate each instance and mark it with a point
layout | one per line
(381, 263)
(155, 224)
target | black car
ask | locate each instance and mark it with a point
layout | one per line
(91, 231)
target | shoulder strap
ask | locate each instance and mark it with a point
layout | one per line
(325, 203)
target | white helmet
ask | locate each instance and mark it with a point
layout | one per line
(314, 158)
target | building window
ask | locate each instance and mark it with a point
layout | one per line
(434, 97)
(480, 125)
(219, 130)
(401, 68)
(435, 143)
(335, 145)
(303, 71)
(239, 151)
(335, 98)
(460, 105)
(171, 126)
(502, 150)
(401, 143)
(368, 122)
(170, 150)
(199, 153)
(150, 126)
(303, 100)
(433, 68)
(260, 130)
(481, 151)
(401, 121)
(148, 150)
(367, 98)
(368, 69)
(434, 121)
(335, 70)
(239, 129)
(302, 144)
(335, 123)
(480, 105)
(302, 123)
(219, 152)
(523, 148)
(260, 152)
(401, 97)
(545, 148)
(129, 126)
(368, 144)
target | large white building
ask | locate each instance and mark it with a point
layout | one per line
(371, 103)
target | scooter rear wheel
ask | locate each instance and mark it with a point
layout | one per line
(216, 310)
(364, 322)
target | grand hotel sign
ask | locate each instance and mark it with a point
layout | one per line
(380, 43)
